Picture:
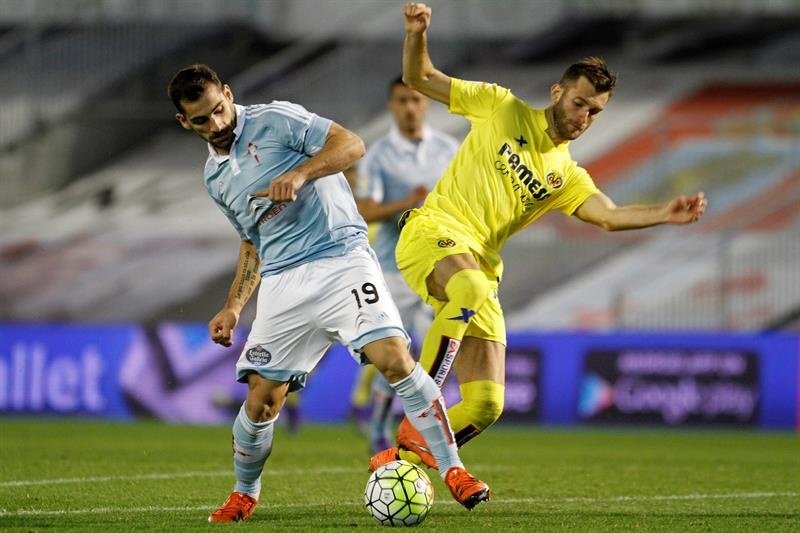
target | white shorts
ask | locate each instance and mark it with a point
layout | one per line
(416, 314)
(302, 311)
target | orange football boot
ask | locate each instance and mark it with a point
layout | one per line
(238, 506)
(408, 438)
(381, 458)
(467, 490)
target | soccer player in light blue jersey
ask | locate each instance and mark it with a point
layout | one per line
(275, 171)
(396, 175)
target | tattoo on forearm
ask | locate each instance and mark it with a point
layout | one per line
(247, 278)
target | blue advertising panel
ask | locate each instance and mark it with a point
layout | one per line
(51, 369)
(669, 386)
(327, 393)
(174, 372)
(183, 376)
(752, 378)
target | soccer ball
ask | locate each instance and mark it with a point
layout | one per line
(399, 494)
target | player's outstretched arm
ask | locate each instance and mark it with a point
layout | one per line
(247, 279)
(341, 150)
(601, 211)
(418, 70)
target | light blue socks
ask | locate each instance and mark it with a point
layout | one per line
(252, 444)
(424, 406)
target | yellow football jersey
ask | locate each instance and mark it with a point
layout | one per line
(507, 172)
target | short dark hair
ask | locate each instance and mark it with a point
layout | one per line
(190, 83)
(395, 82)
(593, 69)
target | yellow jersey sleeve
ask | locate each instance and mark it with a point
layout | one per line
(476, 100)
(579, 187)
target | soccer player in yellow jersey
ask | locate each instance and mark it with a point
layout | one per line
(513, 167)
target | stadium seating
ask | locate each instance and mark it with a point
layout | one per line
(138, 240)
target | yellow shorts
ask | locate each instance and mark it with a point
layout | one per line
(424, 241)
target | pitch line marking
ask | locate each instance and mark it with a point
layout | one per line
(166, 475)
(157, 509)
(181, 475)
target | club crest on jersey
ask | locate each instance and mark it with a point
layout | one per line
(252, 150)
(258, 356)
(446, 243)
(554, 180)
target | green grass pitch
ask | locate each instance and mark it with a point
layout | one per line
(87, 476)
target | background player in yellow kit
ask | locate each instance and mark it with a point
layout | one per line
(513, 167)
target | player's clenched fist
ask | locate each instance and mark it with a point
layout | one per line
(283, 188)
(418, 17)
(686, 209)
(221, 327)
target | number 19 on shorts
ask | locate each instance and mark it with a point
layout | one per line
(369, 292)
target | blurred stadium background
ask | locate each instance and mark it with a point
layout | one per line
(112, 258)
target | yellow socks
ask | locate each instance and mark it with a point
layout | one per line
(480, 406)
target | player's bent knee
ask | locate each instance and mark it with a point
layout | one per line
(484, 412)
(468, 287)
(262, 412)
(265, 398)
(484, 400)
(489, 411)
(391, 357)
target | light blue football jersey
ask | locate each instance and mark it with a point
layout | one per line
(392, 168)
(272, 139)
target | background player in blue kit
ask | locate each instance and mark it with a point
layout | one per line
(396, 175)
(275, 171)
